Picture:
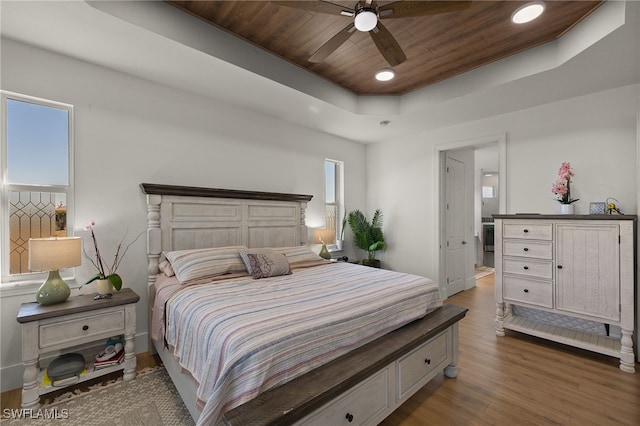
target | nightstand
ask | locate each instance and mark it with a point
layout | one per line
(68, 326)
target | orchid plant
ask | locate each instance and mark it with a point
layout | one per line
(105, 270)
(562, 187)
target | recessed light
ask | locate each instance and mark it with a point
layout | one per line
(528, 12)
(385, 74)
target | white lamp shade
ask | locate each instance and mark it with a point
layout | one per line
(51, 254)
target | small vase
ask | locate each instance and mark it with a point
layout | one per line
(339, 244)
(104, 287)
(567, 209)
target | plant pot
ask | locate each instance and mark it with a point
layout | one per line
(567, 209)
(104, 287)
(339, 244)
(375, 263)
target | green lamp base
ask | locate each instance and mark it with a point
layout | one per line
(324, 253)
(54, 290)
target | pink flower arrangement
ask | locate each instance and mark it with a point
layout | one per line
(562, 187)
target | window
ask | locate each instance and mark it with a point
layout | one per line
(37, 164)
(334, 201)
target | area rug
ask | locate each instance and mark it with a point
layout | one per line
(150, 400)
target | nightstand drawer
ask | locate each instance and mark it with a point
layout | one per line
(67, 330)
(528, 290)
(533, 249)
(528, 231)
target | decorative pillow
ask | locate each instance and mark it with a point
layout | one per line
(166, 268)
(191, 266)
(264, 263)
(298, 254)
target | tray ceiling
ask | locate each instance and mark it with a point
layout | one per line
(437, 47)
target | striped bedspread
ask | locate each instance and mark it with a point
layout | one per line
(238, 338)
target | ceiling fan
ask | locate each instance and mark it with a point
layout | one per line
(366, 18)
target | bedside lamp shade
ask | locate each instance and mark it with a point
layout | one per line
(324, 237)
(53, 254)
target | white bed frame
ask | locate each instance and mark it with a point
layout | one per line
(180, 218)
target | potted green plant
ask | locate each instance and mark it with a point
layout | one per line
(106, 275)
(367, 235)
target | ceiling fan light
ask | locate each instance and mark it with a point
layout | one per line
(527, 13)
(385, 74)
(366, 20)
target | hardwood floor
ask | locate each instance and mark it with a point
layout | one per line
(521, 380)
(512, 380)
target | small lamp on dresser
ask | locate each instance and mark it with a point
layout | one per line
(53, 254)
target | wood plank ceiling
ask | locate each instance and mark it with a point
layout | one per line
(437, 47)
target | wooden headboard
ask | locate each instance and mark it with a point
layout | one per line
(184, 217)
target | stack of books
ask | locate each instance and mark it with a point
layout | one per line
(117, 359)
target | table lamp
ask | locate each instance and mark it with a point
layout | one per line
(53, 254)
(324, 237)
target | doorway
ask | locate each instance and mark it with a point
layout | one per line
(458, 256)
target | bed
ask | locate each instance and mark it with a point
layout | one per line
(255, 328)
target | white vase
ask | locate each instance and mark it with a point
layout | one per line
(104, 286)
(339, 244)
(567, 209)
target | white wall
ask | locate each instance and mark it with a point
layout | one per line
(597, 133)
(128, 131)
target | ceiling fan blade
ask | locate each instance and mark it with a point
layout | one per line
(409, 9)
(334, 43)
(387, 45)
(318, 6)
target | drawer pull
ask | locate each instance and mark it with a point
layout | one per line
(427, 361)
(526, 290)
(526, 231)
(526, 268)
(85, 327)
(526, 249)
(559, 266)
(349, 417)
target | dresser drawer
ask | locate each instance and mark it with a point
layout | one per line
(528, 290)
(528, 231)
(532, 249)
(78, 328)
(365, 404)
(528, 267)
(420, 362)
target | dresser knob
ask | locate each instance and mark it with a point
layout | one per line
(526, 249)
(85, 327)
(349, 417)
(526, 231)
(526, 290)
(526, 268)
(559, 266)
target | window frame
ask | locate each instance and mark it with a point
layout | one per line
(24, 283)
(339, 197)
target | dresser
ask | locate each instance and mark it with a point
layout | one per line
(570, 279)
(77, 323)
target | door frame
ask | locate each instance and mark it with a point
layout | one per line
(439, 178)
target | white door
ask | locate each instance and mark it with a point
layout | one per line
(454, 219)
